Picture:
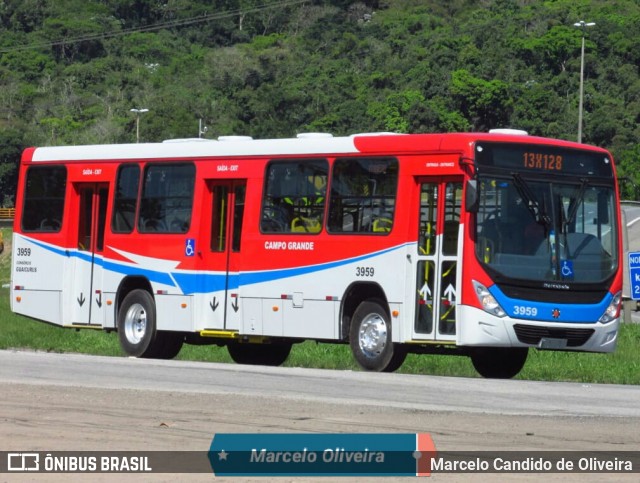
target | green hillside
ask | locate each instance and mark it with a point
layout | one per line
(71, 70)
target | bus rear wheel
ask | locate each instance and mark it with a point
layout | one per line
(273, 354)
(499, 362)
(370, 339)
(137, 329)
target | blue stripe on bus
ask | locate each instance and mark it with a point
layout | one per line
(191, 283)
(205, 282)
(248, 278)
(574, 313)
(56, 250)
(152, 275)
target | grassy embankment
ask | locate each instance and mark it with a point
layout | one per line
(621, 367)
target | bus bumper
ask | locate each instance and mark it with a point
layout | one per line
(478, 328)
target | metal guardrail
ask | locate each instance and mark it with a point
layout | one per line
(7, 213)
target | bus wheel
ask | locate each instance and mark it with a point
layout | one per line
(499, 362)
(168, 344)
(137, 325)
(273, 354)
(370, 339)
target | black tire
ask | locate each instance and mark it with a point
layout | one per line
(273, 354)
(370, 339)
(499, 362)
(137, 329)
(169, 344)
(137, 325)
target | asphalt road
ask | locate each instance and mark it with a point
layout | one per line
(632, 217)
(398, 391)
(58, 402)
(70, 402)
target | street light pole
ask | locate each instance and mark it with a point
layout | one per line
(583, 25)
(137, 112)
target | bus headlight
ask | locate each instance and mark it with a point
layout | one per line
(487, 301)
(613, 311)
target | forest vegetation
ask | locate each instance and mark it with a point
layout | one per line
(72, 70)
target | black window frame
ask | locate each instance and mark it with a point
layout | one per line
(373, 213)
(155, 213)
(43, 212)
(119, 200)
(294, 206)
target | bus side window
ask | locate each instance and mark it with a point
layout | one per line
(453, 205)
(363, 195)
(428, 218)
(126, 198)
(294, 196)
(167, 198)
(44, 199)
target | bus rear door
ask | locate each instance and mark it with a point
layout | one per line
(436, 292)
(86, 296)
(221, 257)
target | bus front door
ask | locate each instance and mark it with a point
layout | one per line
(224, 251)
(86, 296)
(436, 293)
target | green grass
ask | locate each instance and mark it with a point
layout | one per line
(621, 367)
(5, 258)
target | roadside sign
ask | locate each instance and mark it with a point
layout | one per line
(634, 274)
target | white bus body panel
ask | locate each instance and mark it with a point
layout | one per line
(482, 329)
(36, 280)
(295, 306)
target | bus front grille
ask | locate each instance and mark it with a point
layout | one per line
(531, 334)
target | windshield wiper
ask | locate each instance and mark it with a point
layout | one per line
(584, 183)
(533, 205)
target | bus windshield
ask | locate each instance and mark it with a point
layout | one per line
(547, 230)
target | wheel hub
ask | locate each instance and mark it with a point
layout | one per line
(372, 336)
(135, 323)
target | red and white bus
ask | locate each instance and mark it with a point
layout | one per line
(481, 244)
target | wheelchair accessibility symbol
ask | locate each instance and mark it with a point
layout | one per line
(189, 247)
(567, 269)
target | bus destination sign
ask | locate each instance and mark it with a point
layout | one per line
(542, 159)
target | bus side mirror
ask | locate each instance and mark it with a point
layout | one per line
(472, 200)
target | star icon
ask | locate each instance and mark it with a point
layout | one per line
(222, 455)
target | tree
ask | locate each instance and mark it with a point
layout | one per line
(252, 67)
(486, 104)
(11, 145)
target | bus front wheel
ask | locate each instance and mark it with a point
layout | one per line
(499, 362)
(137, 329)
(370, 339)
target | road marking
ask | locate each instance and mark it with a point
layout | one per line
(632, 222)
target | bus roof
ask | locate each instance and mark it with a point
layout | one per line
(303, 144)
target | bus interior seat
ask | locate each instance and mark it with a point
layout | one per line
(154, 225)
(50, 224)
(382, 225)
(179, 225)
(586, 253)
(303, 224)
(583, 244)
